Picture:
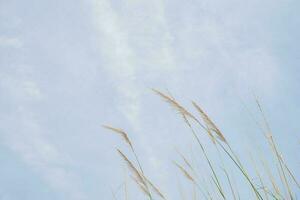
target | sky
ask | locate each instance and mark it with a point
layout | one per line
(67, 67)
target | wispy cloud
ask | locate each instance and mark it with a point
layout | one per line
(23, 134)
(166, 41)
(13, 42)
(130, 45)
(144, 44)
(119, 57)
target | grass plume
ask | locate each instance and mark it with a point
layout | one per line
(280, 186)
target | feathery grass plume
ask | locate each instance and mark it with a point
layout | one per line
(182, 111)
(176, 105)
(210, 124)
(142, 187)
(154, 188)
(124, 135)
(205, 154)
(132, 168)
(139, 176)
(212, 127)
(126, 138)
(191, 178)
(120, 132)
(185, 114)
(185, 172)
(185, 161)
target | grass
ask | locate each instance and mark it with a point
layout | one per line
(280, 185)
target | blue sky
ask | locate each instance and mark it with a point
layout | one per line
(67, 67)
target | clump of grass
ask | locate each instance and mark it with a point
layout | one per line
(137, 174)
(262, 190)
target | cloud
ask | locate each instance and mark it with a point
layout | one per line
(183, 48)
(129, 45)
(23, 134)
(145, 43)
(119, 56)
(13, 42)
